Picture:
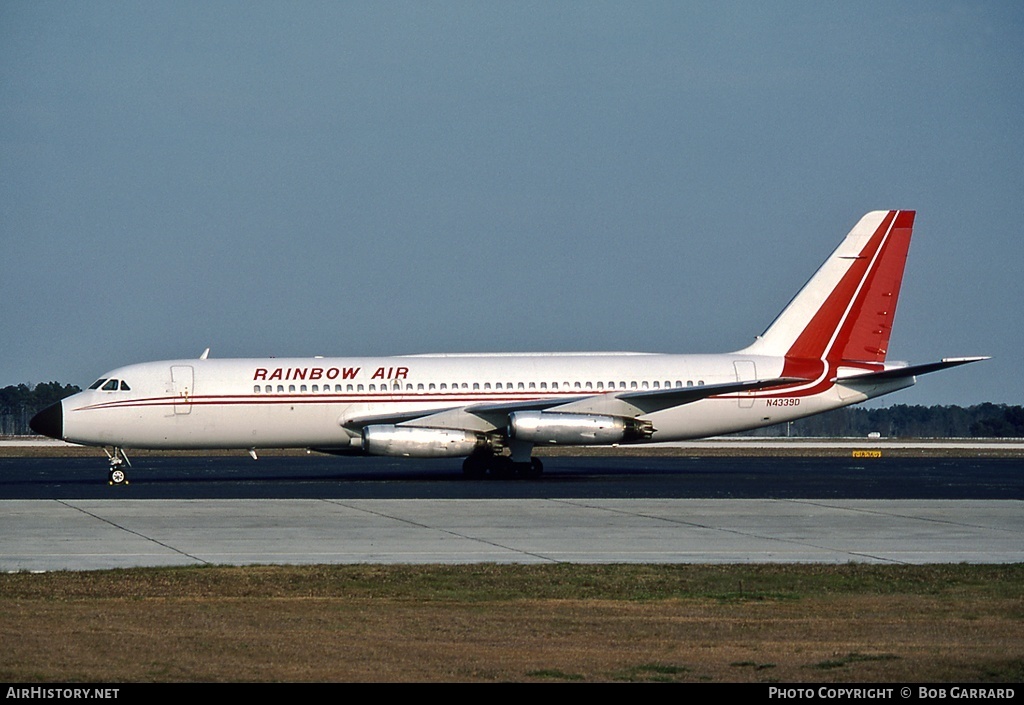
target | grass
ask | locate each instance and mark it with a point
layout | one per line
(853, 658)
(516, 623)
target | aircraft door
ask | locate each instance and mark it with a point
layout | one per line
(746, 371)
(182, 380)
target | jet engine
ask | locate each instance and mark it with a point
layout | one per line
(413, 442)
(575, 429)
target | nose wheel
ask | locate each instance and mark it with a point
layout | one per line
(118, 463)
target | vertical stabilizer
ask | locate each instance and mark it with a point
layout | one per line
(845, 311)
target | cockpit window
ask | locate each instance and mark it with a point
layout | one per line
(125, 387)
(97, 383)
(110, 386)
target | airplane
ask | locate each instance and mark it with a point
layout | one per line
(827, 349)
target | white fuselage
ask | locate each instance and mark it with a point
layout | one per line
(306, 402)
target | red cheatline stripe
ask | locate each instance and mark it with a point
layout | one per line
(230, 400)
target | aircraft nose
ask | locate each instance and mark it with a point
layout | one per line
(49, 421)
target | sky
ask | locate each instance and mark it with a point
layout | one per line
(373, 178)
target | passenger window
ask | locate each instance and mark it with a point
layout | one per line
(256, 388)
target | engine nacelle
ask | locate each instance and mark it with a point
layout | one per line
(413, 442)
(575, 429)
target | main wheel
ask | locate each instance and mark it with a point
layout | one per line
(529, 470)
(502, 467)
(475, 466)
(532, 469)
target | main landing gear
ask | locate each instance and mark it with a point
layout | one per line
(480, 465)
(118, 462)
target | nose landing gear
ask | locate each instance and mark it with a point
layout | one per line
(118, 462)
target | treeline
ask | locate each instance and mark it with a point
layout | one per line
(19, 403)
(979, 421)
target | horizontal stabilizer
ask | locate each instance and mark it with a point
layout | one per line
(909, 371)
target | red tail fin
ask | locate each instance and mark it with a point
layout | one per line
(845, 311)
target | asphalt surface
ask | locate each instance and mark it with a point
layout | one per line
(317, 476)
(60, 514)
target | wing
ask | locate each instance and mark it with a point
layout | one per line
(626, 403)
(648, 401)
(472, 417)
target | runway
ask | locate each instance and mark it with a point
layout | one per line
(595, 510)
(93, 534)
